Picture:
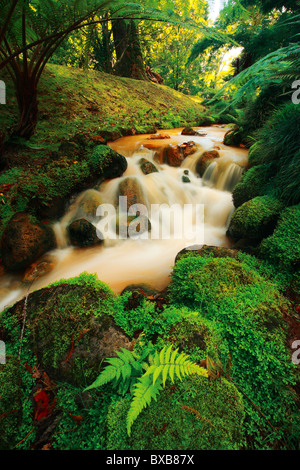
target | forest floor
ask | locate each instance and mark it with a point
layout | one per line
(73, 100)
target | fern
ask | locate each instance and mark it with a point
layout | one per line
(126, 372)
(122, 371)
(164, 365)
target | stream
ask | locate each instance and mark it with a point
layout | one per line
(119, 262)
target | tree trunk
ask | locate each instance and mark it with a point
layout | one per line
(130, 61)
(28, 107)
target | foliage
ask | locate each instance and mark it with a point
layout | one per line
(146, 385)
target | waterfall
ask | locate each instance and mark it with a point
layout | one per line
(120, 262)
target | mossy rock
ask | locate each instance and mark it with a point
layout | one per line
(255, 182)
(255, 219)
(196, 414)
(197, 337)
(205, 250)
(282, 248)
(108, 162)
(147, 167)
(24, 241)
(69, 328)
(87, 205)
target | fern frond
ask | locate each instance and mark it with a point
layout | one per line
(119, 369)
(164, 365)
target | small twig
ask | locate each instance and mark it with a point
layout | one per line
(24, 318)
(24, 438)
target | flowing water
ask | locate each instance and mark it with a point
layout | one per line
(123, 262)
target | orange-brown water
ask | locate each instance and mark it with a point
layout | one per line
(123, 262)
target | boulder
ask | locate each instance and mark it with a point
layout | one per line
(204, 250)
(107, 162)
(24, 241)
(69, 329)
(88, 204)
(188, 148)
(83, 234)
(173, 155)
(205, 160)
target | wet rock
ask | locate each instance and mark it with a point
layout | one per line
(173, 155)
(188, 148)
(147, 167)
(83, 234)
(24, 241)
(131, 226)
(204, 250)
(159, 136)
(131, 188)
(88, 205)
(205, 160)
(38, 269)
(190, 131)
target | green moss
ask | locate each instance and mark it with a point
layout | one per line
(282, 248)
(15, 405)
(196, 414)
(64, 325)
(197, 337)
(255, 219)
(250, 312)
(73, 100)
(255, 182)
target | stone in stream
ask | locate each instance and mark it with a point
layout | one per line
(24, 241)
(205, 160)
(83, 234)
(130, 187)
(39, 269)
(190, 131)
(147, 167)
(88, 204)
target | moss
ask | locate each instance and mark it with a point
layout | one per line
(68, 327)
(250, 312)
(75, 101)
(197, 337)
(255, 219)
(282, 247)
(254, 182)
(10, 402)
(197, 414)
